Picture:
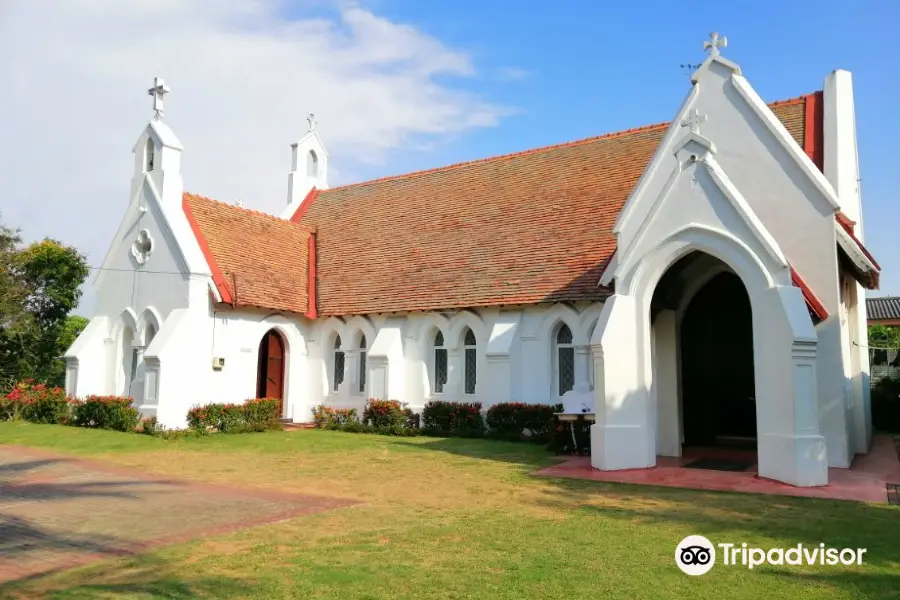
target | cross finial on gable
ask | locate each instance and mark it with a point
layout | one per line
(311, 119)
(714, 43)
(693, 120)
(158, 90)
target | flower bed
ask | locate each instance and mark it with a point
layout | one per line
(384, 417)
(105, 412)
(325, 416)
(35, 402)
(257, 414)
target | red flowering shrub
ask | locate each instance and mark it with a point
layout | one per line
(325, 416)
(36, 403)
(384, 413)
(516, 420)
(441, 417)
(106, 412)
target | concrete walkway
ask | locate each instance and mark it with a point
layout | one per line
(866, 480)
(58, 512)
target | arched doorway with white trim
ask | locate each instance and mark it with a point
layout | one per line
(638, 413)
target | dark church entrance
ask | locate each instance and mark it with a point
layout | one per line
(718, 388)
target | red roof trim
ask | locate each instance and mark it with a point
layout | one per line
(813, 134)
(217, 276)
(304, 206)
(845, 223)
(311, 311)
(817, 307)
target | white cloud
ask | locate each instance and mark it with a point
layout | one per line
(512, 74)
(243, 79)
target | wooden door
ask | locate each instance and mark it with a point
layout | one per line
(271, 368)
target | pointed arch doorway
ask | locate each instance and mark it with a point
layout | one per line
(704, 358)
(270, 370)
(717, 370)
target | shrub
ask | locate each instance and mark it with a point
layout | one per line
(262, 414)
(36, 403)
(232, 419)
(325, 416)
(886, 404)
(357, 427)
(256, 414)
(200, 419)
(517, 420)
(441, 417)
(105, 412)
(384, 413)
(413, 419)
(151, 426)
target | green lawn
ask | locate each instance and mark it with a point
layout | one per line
(458, 519)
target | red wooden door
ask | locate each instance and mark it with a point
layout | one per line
(274, 367)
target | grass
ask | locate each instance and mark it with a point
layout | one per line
(458, 519)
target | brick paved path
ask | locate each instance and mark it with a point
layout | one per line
(58, 512)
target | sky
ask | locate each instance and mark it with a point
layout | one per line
(396, 86)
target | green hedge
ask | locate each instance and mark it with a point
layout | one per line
(325, 416)
(443, 418)
(257, 414)
(520, 421)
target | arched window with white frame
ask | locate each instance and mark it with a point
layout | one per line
(338, 373)
(563, 360)
(440, 363)
(362, 364)
(471, 360)
(312, 164)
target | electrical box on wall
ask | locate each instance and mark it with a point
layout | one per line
(218, 363)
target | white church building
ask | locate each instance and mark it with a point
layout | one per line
(681, 284)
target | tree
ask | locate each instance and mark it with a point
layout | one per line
(882, 336)
(71, 329)
(39, 286)
(12, 290)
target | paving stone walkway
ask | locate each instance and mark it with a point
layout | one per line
(58, 512)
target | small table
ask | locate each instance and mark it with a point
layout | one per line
(571, 418)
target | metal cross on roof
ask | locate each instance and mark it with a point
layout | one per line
(715, 42)
(693, 120)
(158, 90)
(311, 119)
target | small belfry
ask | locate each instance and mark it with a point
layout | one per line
(158, 90)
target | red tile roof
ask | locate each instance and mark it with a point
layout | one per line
(530, 227)
(256, 259)
(524, 228)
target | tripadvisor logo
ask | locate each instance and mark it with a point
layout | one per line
(696, 555)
